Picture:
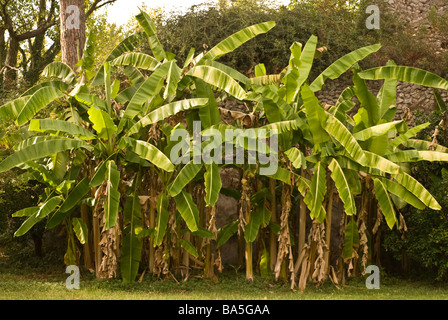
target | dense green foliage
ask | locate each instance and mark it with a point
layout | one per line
(339, 27)
(423, 248)
(99, 144)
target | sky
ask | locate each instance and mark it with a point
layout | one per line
(121, 11)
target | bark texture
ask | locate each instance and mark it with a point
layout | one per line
(73, 31)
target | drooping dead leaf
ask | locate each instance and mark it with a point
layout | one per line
(318, 236)
(284, 241)
(237, 116)
(379, 219)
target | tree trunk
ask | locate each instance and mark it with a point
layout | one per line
(272, 236)
(88, 244)
(152, 219)
(246, 207)
(73, 31)
(11, 63)
(3, 50)
(96, 244)
(328, 222)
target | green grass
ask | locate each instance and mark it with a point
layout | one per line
(26, 285)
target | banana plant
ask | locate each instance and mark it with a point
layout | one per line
(201, 75)
(106, 140)
(344, 148)
(288, 103)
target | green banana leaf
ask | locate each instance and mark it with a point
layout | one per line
(417, 189)
(39, 100)
(340, 66)
(25, 212)
(318, 189)
(90, 100)
(43, 148)
(74, 198)
(413, 156)
(48, 207)
(147, 90)
(100, 172)
(112, 200)
(132, 245)
(58, 84)
(27, 224)
(342, 183)
(52, 125)
(440, 104)
(236, 75)
(108, 88)
(282, 175)
(387, 96)
(189, 247)
(203, 233)
(137, 60)
(213, 184)
(87, 62)
(367, 101)
(236, 40)
(59, 70)
(303, 68)
(148, 152)
(267, 80)
(337, 130)
(218, 79)
(209, 115)
(166, 111)
(351, 238)
(173, 78)
(296, 157)
(188, 210)
(80, 229)
(226, 232)
(344, 104)
(424, 145)
(406, 74)
(377, 162)
(60, 163)
(149, 26)
(402, 193)
(188, 172)
(127, 45)
(102, 123)
(315, 114)
(162, 219)
(12, 109)
(385, 202)
(376, 131)
(188, 59)
(403, 138)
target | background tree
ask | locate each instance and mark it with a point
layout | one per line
(73, 17)
(22, 25)
(29, 37)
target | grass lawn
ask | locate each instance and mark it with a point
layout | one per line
(27, 285)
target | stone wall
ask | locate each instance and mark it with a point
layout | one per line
(409, 96)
